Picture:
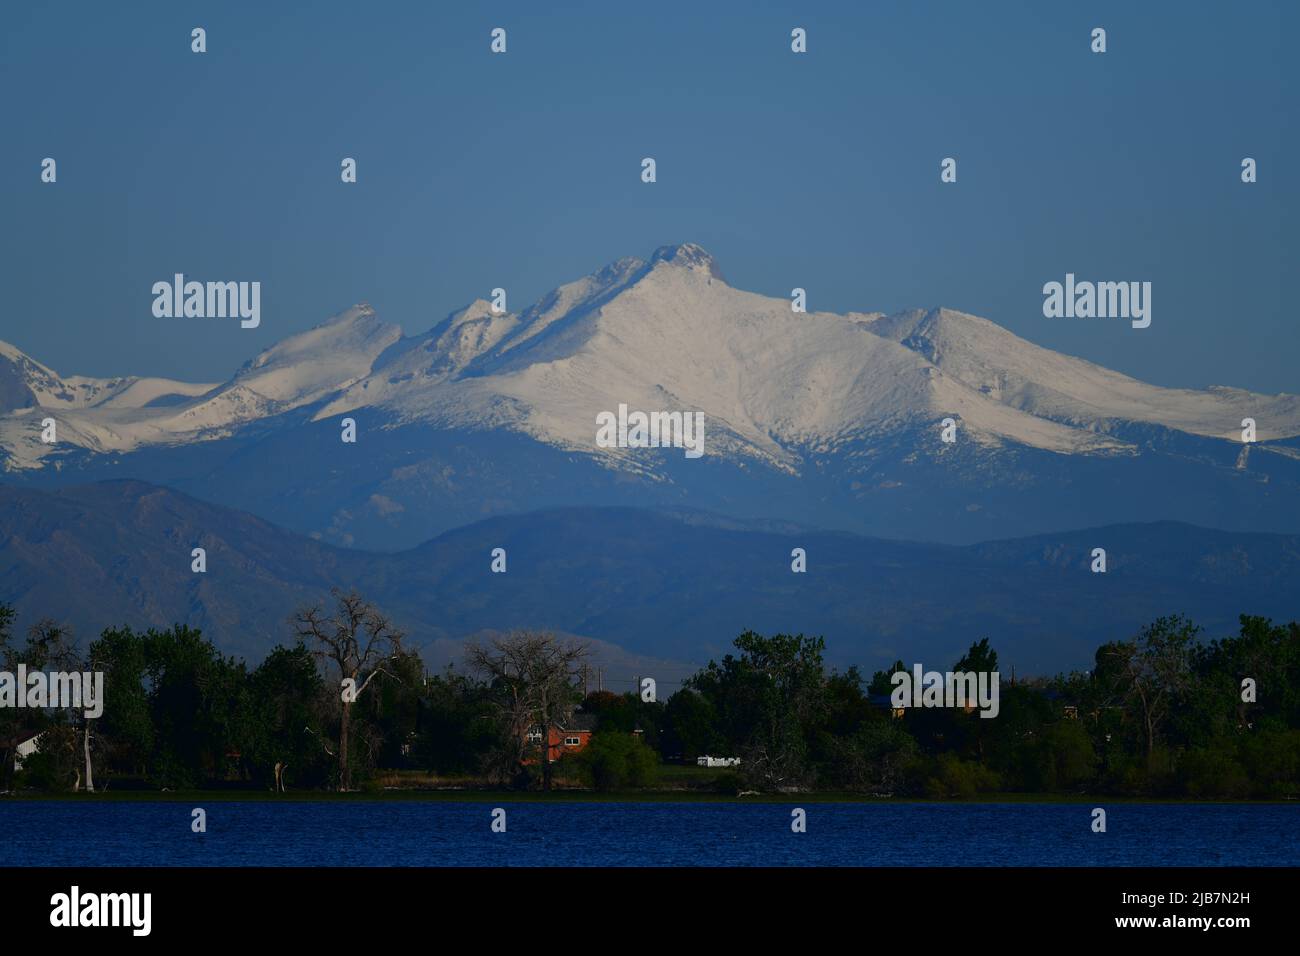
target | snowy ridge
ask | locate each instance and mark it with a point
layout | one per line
(996, 363)
(663, 334)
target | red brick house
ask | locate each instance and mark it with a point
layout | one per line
(569, 739)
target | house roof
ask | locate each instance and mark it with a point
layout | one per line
(581, 722)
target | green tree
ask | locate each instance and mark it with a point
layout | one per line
(881, 681)
(979, 658)
(615, 760)
(390, 715)
(201, 708)
(1151, 673)
(290, 698)
(692, 726)
(768, 700)
(458, 731)
(125, 731)
(628, 713)
(1066, 756)
(873, 758)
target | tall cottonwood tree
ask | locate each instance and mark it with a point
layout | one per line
(1151, 672)
(126, 732)
(354, 642)
(534, 677)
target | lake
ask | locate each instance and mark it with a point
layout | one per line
(442, 833)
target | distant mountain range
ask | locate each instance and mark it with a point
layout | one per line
(661, 591)
(825, 420)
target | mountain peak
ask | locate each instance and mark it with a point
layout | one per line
(480, 308)
(687, 255)
(11, 352)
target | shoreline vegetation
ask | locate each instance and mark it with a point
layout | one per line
(348, 712)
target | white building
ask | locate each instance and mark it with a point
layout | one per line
(26, 747)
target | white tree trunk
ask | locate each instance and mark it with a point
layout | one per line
(90, 776)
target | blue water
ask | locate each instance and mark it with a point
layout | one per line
(438, 833)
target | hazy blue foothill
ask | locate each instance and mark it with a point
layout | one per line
(668, 589)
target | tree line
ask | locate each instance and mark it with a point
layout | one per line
(345, 704)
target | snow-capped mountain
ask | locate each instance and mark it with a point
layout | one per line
(123, 414)
(670, 334)
(987, 358)
(26, 383)
(843, 411)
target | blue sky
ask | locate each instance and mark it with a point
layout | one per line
(522, 170)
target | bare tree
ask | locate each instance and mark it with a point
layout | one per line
(356, 641)
(1152, 671)
(535, 676)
